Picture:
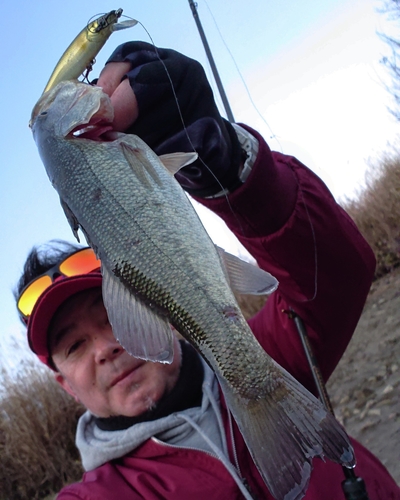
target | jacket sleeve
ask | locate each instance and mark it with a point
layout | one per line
(285, 216)
(68, 495)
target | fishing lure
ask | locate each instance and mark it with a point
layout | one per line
(79, 57)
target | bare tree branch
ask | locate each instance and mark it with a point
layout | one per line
(391, 9)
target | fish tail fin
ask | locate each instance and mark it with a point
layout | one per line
(284, 431)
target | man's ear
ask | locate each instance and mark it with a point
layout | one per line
(65, 385)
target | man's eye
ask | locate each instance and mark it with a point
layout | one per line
(75, 346)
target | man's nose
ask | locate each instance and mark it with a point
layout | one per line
(106, 348)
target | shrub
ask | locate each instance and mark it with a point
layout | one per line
(376, 211)
(37, 435)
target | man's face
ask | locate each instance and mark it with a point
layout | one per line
(96, 370)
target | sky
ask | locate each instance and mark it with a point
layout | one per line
(313, 87)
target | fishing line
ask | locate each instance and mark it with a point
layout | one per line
(178, 106)
(217, 180)
(184, 125)
(273, 136)
(281, 148)
(92, 19)
(104, 21)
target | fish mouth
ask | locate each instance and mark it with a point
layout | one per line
(97, 121)
(99, 131)
(75, 110)
(99, 128)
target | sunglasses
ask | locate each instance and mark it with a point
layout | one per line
(82, 261)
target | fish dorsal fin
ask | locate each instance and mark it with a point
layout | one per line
(246, 278)
(140, 331)
(173, 162)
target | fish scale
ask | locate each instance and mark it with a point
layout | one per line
(160, 267)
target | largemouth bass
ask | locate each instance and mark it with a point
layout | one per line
(160, 268)
(82, 51)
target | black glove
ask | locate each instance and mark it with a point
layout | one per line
(160, 125)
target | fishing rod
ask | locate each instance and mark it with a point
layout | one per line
(217, 78)
(353, 486)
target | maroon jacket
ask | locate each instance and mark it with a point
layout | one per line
(287, 219)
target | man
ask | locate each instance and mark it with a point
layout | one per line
(155, 431)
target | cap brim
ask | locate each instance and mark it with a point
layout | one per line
(47, 305)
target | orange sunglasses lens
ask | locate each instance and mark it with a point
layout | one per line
(28, 299)
(81, 262)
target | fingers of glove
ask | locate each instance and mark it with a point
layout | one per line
(153, 81)
(111, 76)
(144, 59)
(126, 109)
(171, 96)
(122, 96)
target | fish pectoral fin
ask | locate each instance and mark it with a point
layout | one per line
(284, 427)
(173, 162)
(72, 220)
(246, 278)
(140, 331)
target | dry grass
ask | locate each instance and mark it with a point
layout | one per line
(37, 434)
(376, 212)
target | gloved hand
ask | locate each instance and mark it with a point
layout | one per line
(156, 119)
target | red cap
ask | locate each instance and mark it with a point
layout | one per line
(48, 303)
